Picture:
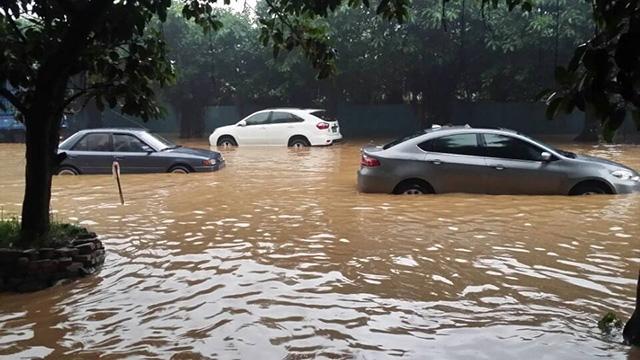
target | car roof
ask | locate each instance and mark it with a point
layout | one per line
(466, 128)
(291, 109)
(123, 129)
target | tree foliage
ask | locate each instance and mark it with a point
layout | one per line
(604, 72)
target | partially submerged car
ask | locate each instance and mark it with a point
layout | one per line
(284, 126)
(487, 161)
(136, 150)
(11, 130)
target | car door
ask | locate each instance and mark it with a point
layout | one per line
(455, 163)
(516, 166)
(254, 129)
(282, 125)
(136, 156)
(93, 154)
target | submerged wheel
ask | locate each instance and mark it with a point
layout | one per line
(67, 170)
(412, 188)
(589, 189)
(227, 141)
(299, 142)
(179, 169)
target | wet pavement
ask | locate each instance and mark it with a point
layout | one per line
(278, 256)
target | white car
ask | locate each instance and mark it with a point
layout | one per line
(289, 127)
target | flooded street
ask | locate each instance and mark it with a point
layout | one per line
(277, 256)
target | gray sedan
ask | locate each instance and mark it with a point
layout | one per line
(487, 161)
(136, 150)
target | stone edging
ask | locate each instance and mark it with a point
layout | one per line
(36, 269)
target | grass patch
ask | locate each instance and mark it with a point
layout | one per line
(60, 234)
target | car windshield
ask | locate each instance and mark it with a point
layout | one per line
(161, 143)
(559, 151)
(322, 114)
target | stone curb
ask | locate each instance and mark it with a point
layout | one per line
(37, 269)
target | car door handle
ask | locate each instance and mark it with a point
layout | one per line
(499, 167)
(436, 162)
(118, 158)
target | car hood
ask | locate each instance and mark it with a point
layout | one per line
(194, 152)
(224, 128)
(601, 161)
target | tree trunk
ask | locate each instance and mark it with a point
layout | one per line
(191, 120)
(185, 123)
(41, 148)
(94, 115)
(631, 332)
(591, 130)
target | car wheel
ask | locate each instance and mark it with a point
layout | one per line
(227, 141)
(179, 170)
(588, 189)
(66, 170)
(412, 189)
(299, 143)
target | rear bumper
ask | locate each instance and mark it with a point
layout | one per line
(370, 182)
(324, 140)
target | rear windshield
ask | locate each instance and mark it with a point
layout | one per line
(322, 114)
(401, 140)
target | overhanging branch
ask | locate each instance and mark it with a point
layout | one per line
(14, 25)
(5, 93)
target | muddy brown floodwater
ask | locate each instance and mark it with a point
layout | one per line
(278, 256)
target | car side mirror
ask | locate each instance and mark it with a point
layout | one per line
(242, 123)
(546, 156)
(147, 149)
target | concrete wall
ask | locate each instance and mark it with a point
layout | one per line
(390, 120)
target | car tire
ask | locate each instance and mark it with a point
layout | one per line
(67, 170)
(227, 141)
(588, 189)
(412, 188)
(179, 169)
(299, 142)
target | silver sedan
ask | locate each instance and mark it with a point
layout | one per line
(487, 161)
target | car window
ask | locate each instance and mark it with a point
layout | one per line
(507, 147)
(128, 143)
(460, 144)
(258, 119)
(279, 117)
(94, 142)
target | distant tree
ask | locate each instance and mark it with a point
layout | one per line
(47, 45)
(604, 74)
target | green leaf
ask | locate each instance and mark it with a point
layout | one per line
(543, 95)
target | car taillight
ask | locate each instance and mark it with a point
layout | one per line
(369, 161)
(322, 125)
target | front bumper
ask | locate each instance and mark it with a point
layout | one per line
(219, 165)
(626, 187)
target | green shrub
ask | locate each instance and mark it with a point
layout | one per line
(60, 234)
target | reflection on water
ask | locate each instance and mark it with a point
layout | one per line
(278, 256)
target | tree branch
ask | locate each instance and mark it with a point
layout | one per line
(14, 25)
(67, 6)
(86, 91)
(5, 93)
